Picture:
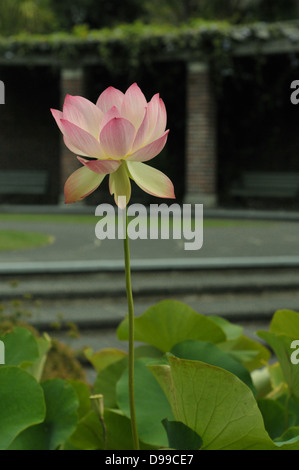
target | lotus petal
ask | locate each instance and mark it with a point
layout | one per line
(153, 112)
(117, 137)
(119, 185)
(112, 113)
(82, 139)
(57, 115)
(101, 166)
(91, 114)
(161, 120)
(151, 180)
(109, 98)
(133, 106)
(142, 133)
(73, 148)
(80, 184)
(149, 151)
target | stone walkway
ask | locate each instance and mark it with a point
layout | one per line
(260, 239)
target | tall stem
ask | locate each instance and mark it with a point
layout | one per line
(131, 337)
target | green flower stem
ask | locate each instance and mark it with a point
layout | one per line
(131, 337)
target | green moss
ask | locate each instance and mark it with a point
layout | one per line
(19, 240)
(62, 363)
(128, 46)
(61, 360)
(128, 41)
(92, 220)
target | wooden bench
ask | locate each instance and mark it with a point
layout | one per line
(21, 182)
(266, 185)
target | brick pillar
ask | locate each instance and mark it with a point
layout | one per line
(201, 163)
(71, 83)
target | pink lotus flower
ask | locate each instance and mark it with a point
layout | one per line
(114, 136)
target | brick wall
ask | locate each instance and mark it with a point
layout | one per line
(200, 137)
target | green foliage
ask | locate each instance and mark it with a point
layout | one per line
(21, 348)
(214, 403)
(21, 403)
(200, 383)
(128, 46)
(60, 420)
(180, 437)
(19, 240)
(61, 362)
(25, 16)
(151, 404)
(132, 32)
(121, 47)
(44, 16)
(44, 357)
(95, 13)
(35, 414)
(169, 322)
(267, 10)
(177, 11)
(213, 355)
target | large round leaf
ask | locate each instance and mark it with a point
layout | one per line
(83, 394)
(60, 421)
(285, 322)
(180, 437)
(105, 383)
(252, 354)
(151, 404)
(274, 415)
(211, 354)
(169, 322)
(104, 358)
(21, 403)
(21, 347)
(217, 405)
(89, 434)
(281, 345)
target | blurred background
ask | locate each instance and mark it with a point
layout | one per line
(224, 70)
(226, 147)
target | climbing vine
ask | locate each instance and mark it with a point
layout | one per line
(131, 45)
